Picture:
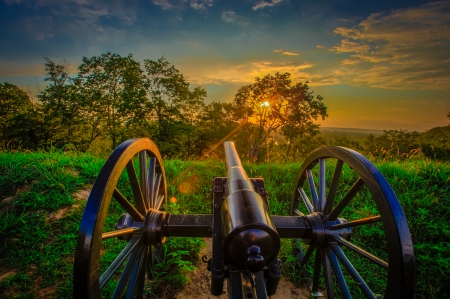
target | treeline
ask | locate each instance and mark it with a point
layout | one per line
(391, 145)
(112, 98)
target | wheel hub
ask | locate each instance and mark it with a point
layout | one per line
(153, 224)
(320, 234)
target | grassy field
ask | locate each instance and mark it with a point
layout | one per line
(43, 196)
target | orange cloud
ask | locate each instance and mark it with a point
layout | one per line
(406, 48)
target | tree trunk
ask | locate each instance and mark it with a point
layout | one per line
(288, 148)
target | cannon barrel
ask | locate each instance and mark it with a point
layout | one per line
(250, 239)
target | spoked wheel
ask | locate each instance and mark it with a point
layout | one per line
(360, 239)
(116, 245)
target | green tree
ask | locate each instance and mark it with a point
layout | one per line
(14, 105)
(113, 93)
(175, 108)
(62, 106)
(215, 122)
(274, 104)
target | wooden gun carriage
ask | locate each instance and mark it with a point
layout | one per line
(245, 237)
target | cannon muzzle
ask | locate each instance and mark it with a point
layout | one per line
(250, 239)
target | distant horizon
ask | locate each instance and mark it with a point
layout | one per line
(380, 131)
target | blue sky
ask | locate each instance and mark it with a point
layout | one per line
(379, 65)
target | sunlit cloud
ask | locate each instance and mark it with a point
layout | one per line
(36, 69)
(320, 47)
(11, 69)
(285, 52)
(290, 53)
(221, 71)
(349, 61)
(393, 49)
(263, 4)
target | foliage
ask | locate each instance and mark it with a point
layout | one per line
(114, 93)
(111, 99)
(275, 105)
(175, 109)
(15, 105)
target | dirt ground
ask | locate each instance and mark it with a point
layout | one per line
(198, 287)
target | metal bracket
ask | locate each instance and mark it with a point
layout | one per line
(217, 261)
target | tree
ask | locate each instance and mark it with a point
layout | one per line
(113, 93)
(61, 107)
(273, 104)
(175, 109)
(14, 104)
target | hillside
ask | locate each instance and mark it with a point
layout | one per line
(351, 131)
(43, 196)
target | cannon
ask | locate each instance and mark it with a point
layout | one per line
(325, 222)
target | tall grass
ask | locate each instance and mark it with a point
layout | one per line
(39, 249)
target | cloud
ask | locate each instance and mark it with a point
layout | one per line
(12, 69)
(285, 52)
(263, 4)
(82, 21)
(231, 17)
(84, 9)
(320, 47)
(290, 53)
(201, 4)
(220, 71)
(405, 48)
(349, 61)
(165, 4)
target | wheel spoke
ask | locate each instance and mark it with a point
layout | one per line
(156, 186)
(316, 275)
(120, 232)
(143, 177)
(347, 198)
(149, 265)
(141, 278)
(298, 213)
(338, 273)
(358, 222)
(333, 187)
(305, 198)
(312, 190)
(360, 251)
(134, 279)
(124, 278)
(352, 271)
(327, 273)
(159, 202)
(137, 193)
(307, 256)
(126, 205)
(151, 180)
(322, 184)
(131, 247)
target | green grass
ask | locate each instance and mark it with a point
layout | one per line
(39, 249)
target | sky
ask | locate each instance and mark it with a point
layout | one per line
(378, 64)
